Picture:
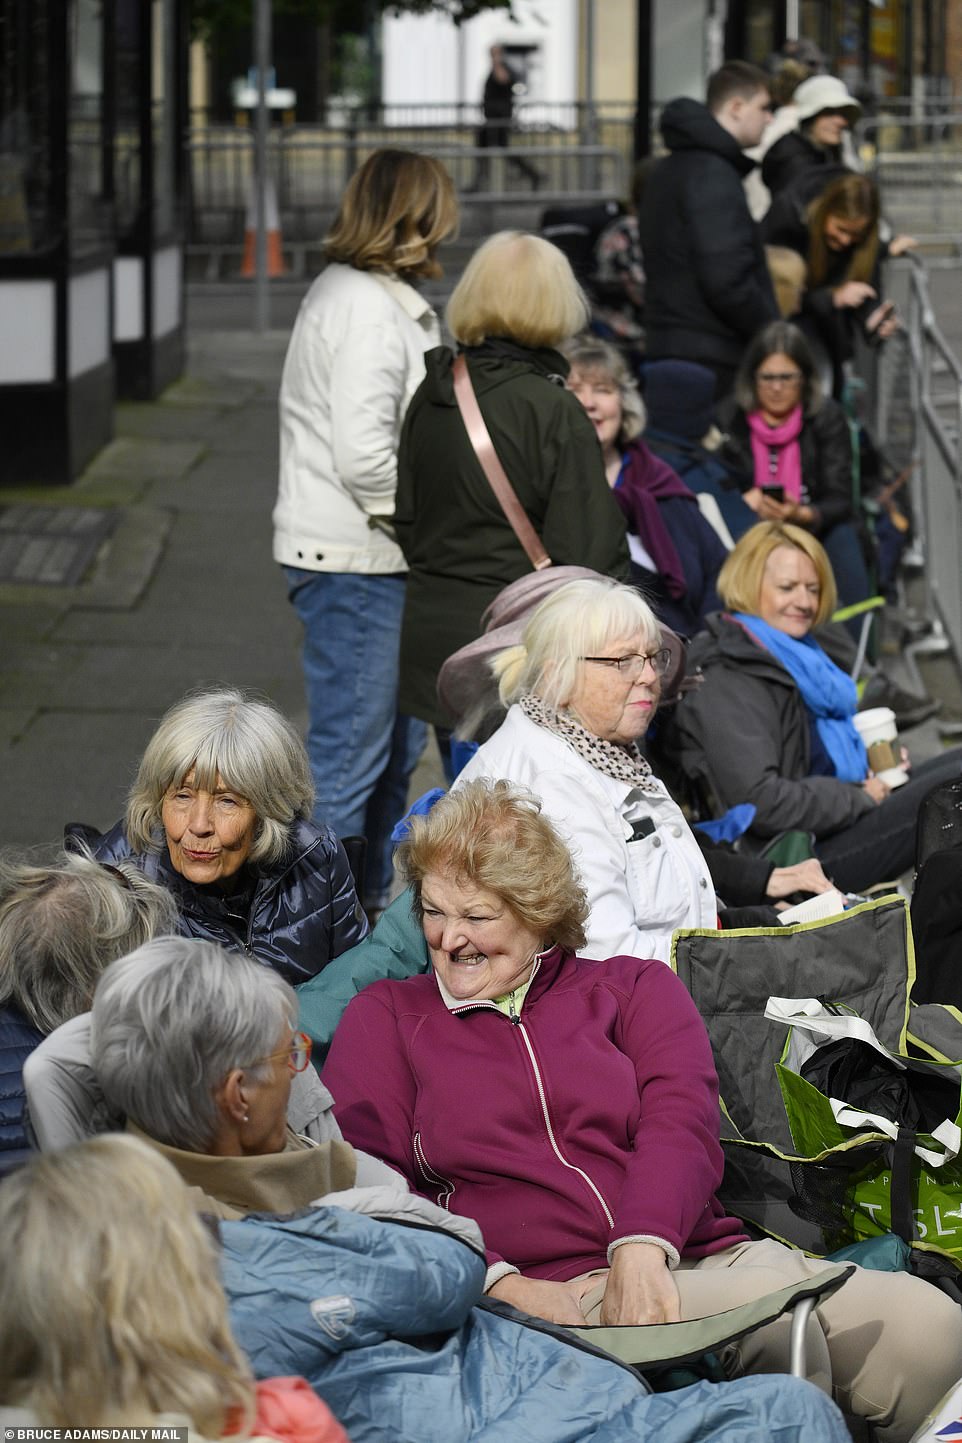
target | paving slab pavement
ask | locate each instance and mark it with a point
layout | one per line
(184, 593)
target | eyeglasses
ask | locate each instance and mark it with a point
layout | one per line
(778, 378)
(298, 1054)
(633, 665)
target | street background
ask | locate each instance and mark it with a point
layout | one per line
(185, 592)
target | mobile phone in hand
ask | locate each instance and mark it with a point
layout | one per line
(777, 493)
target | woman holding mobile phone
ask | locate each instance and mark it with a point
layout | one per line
(833, 224)
(790, 449)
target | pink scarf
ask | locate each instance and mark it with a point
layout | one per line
(776, 452)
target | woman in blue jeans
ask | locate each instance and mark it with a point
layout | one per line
(354, 361)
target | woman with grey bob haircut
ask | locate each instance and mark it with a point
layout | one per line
(60, 925)
(169, 1024)
(197, 1048)
(219, 814)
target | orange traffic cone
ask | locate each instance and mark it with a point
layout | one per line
(272, 225)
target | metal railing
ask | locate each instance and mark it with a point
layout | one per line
(917, 163)
(912, 409)
(309, 167)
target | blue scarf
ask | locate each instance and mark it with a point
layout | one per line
(828, 693)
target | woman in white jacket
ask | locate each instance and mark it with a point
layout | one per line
(354, 361)
(582, 689)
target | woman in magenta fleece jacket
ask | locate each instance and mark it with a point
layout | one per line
(571, 1108)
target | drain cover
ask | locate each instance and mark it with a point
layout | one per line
(50, 545)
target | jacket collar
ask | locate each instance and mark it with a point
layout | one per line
(546, 967)
(278, 1182)
(410, 300)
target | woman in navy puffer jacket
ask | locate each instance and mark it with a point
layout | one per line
(218, 815)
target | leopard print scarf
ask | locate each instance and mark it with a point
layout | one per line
(622, 763)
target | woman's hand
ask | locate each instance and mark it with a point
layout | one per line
(558, 1302)
(876, 789)
(803, 877)
(640, 1289)
(852, 295)
(765, 507)
(883, 322)
(899, 244)
(905, 761)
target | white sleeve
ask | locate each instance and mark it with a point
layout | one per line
(602, 859)
(369, 383)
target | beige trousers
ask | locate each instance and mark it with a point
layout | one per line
(887, 1346)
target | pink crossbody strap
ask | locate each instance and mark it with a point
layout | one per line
(491, 465)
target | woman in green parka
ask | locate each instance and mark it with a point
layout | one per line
(517, 300)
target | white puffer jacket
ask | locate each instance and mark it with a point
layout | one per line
(355, 359)
(640, 887)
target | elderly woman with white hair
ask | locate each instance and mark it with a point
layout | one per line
(219, 814)
(91, 1221)
(60, 925)
(582, 689)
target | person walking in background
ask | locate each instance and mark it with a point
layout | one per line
(355, 359)
(497, 106)
(708, 287)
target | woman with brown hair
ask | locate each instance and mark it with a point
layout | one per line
(835, 228)
(355, 359)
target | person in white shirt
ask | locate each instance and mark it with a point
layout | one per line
(354, 361)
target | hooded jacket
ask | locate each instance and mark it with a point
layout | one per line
(303, 910)
(745, 733)
(708, 288)
(460, 549)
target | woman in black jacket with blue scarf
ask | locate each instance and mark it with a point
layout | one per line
(772, 724)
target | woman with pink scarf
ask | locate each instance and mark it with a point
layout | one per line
(790, 448)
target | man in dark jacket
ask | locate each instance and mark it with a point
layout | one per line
(708, 286)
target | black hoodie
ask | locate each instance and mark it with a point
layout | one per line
(708, 289)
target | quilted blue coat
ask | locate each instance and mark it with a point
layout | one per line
(304, 910)
(381, 1318)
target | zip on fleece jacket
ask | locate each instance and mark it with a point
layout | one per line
(522, 1031)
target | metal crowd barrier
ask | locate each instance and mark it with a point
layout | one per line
(917, 161)
(309, 167)
(912, 409)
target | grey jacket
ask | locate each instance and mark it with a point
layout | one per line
(745, 734)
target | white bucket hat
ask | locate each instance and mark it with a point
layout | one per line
(824, 92)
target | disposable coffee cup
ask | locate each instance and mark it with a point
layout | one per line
(877, 729)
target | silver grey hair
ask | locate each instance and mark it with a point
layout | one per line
(597, 359)
(61, 924)
(576, 621)
(244, 741)
(171, 1021)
